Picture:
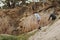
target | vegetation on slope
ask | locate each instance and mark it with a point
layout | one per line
(20, 37)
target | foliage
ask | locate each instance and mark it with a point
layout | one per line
(24, 36)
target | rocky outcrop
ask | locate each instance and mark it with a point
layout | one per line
(20, 20)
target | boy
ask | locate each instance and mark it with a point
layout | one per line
(38, 17)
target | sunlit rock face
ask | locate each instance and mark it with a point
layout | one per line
(12, 22)
(20, 20)
(9, 20)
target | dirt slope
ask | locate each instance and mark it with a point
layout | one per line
(20, 20)
(15, 21)
(51, 33)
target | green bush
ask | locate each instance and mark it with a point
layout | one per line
(5, 37)
(24, 36)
